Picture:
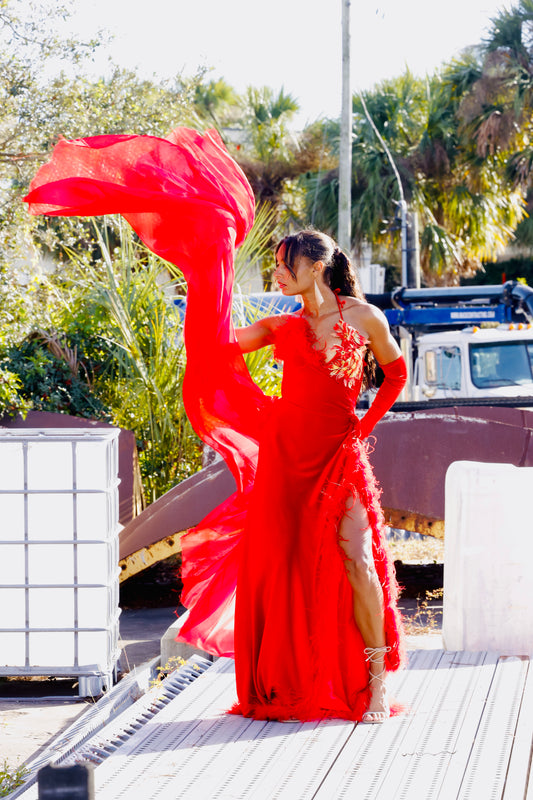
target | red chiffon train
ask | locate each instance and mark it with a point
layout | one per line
(264, 576)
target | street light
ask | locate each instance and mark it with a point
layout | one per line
(402, 205)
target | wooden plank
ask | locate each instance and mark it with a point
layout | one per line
(393, 761)
(199, 767)
(372, 749)
(227, 756)
(273, 760)
(516, 783)
(218, 755)
(487, 766)
(144, 764)
(284, 760)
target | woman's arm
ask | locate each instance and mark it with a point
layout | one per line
(391, 361)
(382, 344)
(257, 335)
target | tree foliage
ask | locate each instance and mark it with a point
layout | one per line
(273, 156)
(29, 43)
(498, 112)
(40, 102)
(466, 207)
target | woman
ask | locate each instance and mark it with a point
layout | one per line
(295, 535)
(305, 504)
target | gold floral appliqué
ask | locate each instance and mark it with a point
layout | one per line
(348, 361)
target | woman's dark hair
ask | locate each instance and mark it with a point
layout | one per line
(339, 275)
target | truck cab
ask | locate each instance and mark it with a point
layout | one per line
(475, 362)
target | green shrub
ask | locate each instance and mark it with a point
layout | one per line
(46, 382)
(12, 401)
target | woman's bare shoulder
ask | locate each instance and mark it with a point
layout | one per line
(364, 316)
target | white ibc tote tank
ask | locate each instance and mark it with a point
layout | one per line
(59, 528)
(488, 558)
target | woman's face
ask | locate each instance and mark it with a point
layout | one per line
(303, 278)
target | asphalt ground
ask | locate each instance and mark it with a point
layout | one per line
(33, 712)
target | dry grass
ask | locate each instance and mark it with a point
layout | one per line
(425, 550)
(173, 663)
(417, 551)
(427, 617)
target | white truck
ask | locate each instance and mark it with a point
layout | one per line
(492, 357)
(474, 362)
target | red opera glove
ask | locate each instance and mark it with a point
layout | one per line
(395, 378)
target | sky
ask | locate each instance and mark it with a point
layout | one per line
(294, 44)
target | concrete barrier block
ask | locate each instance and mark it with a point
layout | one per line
(170, 648)
(488, 553)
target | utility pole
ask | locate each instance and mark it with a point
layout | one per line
(344, 233)
(403, 235)
(413, 252)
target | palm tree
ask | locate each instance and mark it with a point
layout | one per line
(465, 209)
(500, 102)
(273, 156)
(213, 99)
(267, 116)
(270, 150)
(498, 112)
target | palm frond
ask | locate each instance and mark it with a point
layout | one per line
(256, 247)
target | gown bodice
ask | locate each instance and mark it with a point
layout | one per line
(319, 377)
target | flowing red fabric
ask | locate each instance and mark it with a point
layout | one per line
(298, 652)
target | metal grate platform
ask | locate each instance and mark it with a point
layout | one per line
(106, 725)
(466, 733)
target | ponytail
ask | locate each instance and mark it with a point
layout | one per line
(341, 277)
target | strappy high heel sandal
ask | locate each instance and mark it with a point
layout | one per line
(373, 655)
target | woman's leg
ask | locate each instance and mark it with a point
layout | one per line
(355, 538)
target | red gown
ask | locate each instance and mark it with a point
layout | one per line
(273, 544)
(298, 652)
